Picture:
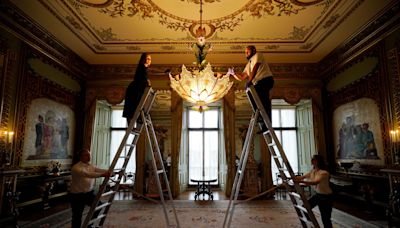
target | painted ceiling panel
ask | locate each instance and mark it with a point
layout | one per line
(111, 31)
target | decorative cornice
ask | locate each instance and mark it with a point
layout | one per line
(375, 31)
(19, 24)
(364, 87)
(283, 71)
(33, 53)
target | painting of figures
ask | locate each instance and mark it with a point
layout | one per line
(50, 127)
(357, 132)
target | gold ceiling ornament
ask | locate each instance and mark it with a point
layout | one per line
(149, 9)
(200, 86)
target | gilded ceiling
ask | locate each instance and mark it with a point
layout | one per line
(111, 31)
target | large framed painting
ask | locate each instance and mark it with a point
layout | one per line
(357, 132)
(49, 133)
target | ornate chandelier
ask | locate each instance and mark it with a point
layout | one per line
(200, 86)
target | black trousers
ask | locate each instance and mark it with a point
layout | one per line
(263, 88)
(78, 202)
(325, 204)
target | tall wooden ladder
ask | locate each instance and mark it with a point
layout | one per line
(296, 194)
(105, 196)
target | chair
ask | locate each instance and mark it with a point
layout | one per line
(126, 184)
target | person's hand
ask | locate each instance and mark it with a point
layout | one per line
(106, 174)
(297, 179)
(248, 83)
(231, 71)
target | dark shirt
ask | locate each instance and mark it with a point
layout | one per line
(135, 91)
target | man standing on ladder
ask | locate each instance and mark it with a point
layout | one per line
(259, 74)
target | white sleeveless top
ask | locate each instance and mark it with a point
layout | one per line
(323, 176)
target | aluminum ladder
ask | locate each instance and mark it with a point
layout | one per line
(296, 194)
(98, 211)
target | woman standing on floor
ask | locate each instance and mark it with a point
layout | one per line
(319, 177)
(136, 88)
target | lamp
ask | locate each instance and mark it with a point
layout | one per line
(394, 145)
(6, 147)
(200, 86)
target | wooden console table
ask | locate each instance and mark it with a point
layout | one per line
(203, 188)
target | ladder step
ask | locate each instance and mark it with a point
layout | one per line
(108, 193)
(102, 206)
(301, 208)
(305, 220)
(295, 194)
(124, 157)
(135, 132)
(98, 218)
(271, 144)
(116, 170)
(130, 145)
(160, 171)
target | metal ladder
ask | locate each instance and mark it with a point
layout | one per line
(297, 196)
(98, 211)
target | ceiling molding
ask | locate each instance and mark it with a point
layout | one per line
(19, 24)
(377, 29)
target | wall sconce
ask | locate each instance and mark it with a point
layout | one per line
(394, 145)
(7, 139)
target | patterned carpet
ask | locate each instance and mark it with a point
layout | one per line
(199, 214)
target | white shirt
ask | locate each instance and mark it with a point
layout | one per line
(263, 70)
(323, 177)
(83, 175)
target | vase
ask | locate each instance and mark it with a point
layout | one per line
(55, 172)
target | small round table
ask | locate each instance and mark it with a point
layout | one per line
(203, 187)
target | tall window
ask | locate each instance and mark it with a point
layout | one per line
(284, 124)
(203, 137)
(118, 129)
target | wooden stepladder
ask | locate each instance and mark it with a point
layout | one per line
(105, 196)
(297, 196)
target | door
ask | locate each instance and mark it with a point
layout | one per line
(100, 147)
(305, 135)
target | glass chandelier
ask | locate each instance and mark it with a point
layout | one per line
(200, 86)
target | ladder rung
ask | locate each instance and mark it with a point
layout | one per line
(119, 169)
(98, 218)
(271, 144)
(305, 220)
(295, 195)
(135, 132)
(102, 206)
(277, 156)
(108, 193)
(124, 157)
(301, 208)
(160, 171)
(130, 145)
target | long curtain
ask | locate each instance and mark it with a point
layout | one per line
(176, 122)
(229, 138)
